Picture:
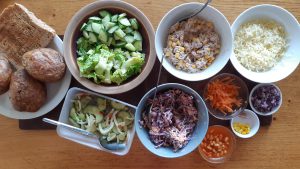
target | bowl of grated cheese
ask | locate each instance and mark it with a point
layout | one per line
(266, 43)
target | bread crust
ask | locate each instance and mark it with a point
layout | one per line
(22, 31)
(26, 93)
(44, 64)
(5, 74)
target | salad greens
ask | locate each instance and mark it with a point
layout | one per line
(110, 48)
(109, 120)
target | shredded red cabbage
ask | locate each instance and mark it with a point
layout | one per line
(266, 98)
(171, 120)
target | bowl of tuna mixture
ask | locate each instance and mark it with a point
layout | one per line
(196, 48)
(173, 123)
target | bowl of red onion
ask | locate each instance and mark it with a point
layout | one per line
(265, 99)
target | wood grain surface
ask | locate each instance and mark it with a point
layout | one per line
(274, 147)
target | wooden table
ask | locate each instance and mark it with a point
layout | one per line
(275, 147)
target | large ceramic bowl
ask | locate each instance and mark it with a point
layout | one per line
(222, 27)
(289, 61)
(199, 131)
(72, 33)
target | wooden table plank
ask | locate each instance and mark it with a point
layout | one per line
(273, 147)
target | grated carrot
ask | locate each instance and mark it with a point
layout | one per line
(223, 95)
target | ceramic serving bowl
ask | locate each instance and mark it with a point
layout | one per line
(72, 33)
(222, 27)
(246, 117)
(289, 61)
(274, 110)
(199, 131)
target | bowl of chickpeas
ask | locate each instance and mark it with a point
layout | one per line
(194, 48)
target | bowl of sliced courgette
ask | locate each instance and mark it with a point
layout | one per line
(109, 46)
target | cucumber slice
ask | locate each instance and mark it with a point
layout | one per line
(113, 29)
(108, 25)
(128, 30)
(136, 54)
(85, 34)
(116, 37)
(92, 37)
(114, 18)
(137, 35)
(96, 27)
(120, 44)
(129, 39)
(106, 19)
(88, 28)
(95, 18)
(83, 27)
(125, 22)
(130, 47)
(104, 13)
(134, 23)
(109, 41)
(120, 33)
(122, 15)
(103, 36)
(138, 45)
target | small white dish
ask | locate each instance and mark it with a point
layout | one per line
(91, 142)
(55, 92)
(261, 113)
(246, 117)
(289, 61)
(221, 25)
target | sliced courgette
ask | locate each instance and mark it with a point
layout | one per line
(103, 36)
(130, 47)
(134, 23)
(125, 22)
(129, 39)
(113, 29)
(137, 35)
(138, 45)
(120, 44)
(104, 13)
(96, 27)
(120, 33)
(92, 37)
(114, 18)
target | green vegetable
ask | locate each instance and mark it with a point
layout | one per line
(116, 105)
(107, 45)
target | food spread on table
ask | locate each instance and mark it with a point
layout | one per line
(110, 48)
(192, 45)
(108, 119)
(110, 51)
(171, 119)
(260, 44)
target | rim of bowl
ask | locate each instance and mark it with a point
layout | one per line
(72, 65)
(227, 117)
(253, 116)
(186, 77)
(150, 94)
(236, 63)
(228, 155)
(271, 112)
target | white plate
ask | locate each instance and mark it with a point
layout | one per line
(55, 93)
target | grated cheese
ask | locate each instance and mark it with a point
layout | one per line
(259, 45)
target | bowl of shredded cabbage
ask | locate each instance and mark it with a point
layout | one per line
(173, 123)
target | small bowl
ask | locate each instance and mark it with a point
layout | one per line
(199, 131)
(85, 140)
(289, 61)
(246, 117)
(222, 27)
(243, 91)
(274, 110)
(231, 148)
(73, 32)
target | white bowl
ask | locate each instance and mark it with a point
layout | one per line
(246, 117)
(222, 27)
(85, 140)
(271, 112)
(291, 58)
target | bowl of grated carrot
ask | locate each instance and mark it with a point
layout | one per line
(226, 96)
